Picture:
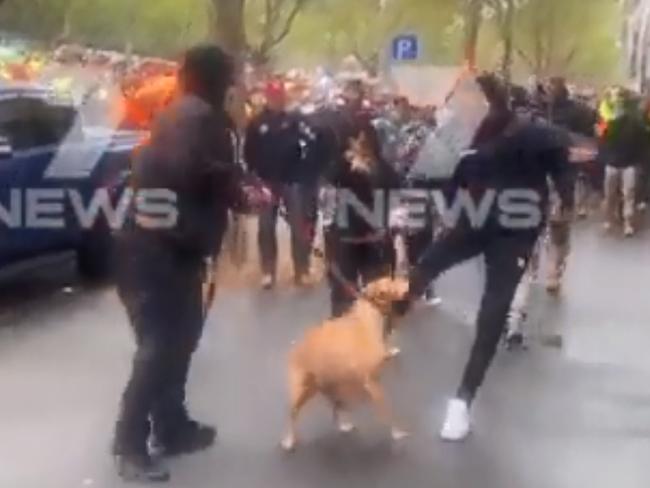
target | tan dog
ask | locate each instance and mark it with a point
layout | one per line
(343, 359)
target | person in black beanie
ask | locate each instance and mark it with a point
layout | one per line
(512, 157)
(160, 269)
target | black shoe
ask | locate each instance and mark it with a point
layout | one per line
(431, 299)
(140, 469)
(515, 341)
(190, 438)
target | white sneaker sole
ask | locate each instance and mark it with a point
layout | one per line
(455, 437)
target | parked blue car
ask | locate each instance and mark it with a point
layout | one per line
(52, 171)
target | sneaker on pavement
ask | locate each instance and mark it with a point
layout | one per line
(628, 231)
(140, 469)
(553, 286)
(267, 282)
(304, 280)
(431, 299)
(515, 341)
(457, 423)
(193, 437)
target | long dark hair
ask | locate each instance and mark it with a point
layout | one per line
(207, 72)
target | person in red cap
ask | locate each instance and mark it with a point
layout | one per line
(275, 152)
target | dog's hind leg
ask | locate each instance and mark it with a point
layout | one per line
(342, 424)
(301, 390)
(384, 412)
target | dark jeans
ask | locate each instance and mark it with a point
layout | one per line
(416, 245)
(355, 265)
(301, 203)
(506, 257)
(162, 294)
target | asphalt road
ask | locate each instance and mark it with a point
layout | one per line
(546, 418)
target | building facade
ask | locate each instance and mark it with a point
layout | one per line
(636, 40)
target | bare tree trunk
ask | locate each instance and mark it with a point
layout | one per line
(66, 30)
(508, 33)
(278, 22)
(229, 29)
(472, 28)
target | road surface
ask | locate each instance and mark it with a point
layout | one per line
(547, 418)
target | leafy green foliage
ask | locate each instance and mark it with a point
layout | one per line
(571, 37)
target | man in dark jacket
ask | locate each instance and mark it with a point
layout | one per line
(161, 267)
(358, 251)
(624, 147)
(511, 158)
(275, 150)
(579, 122)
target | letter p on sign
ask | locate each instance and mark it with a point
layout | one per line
(405, 48)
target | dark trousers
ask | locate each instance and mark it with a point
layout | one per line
(301, 202)
(354, 265)
(417, 243)
(506, 257)
(162, 295)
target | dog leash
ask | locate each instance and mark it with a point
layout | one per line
(306, 232)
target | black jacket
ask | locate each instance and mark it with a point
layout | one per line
(625, 142)
(191, 153)
(572, 116)
(273, 149)
(348, 125)
(524, 157)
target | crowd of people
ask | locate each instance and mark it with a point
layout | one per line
(295, 154)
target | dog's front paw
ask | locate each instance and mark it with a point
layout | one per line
(398, 434)
(289, 443)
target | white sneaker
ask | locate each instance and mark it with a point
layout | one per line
(431, 299)
(457, 424)
(267, 282)
(629, 231)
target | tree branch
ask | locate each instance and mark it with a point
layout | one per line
(525, 57)
(568, 59)
(297, 7)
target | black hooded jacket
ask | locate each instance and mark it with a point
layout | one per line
(350, 124)
(191, 154)
(517, 161)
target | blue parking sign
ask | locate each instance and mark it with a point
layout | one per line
(406, 48)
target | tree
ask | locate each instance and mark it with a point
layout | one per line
(271, 26)
(21, 16)
(473, 15)
(504, 14)
(229, 29)
(555, 36)
(360, 28)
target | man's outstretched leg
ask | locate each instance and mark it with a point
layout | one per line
(453, 248)
(506, 261)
